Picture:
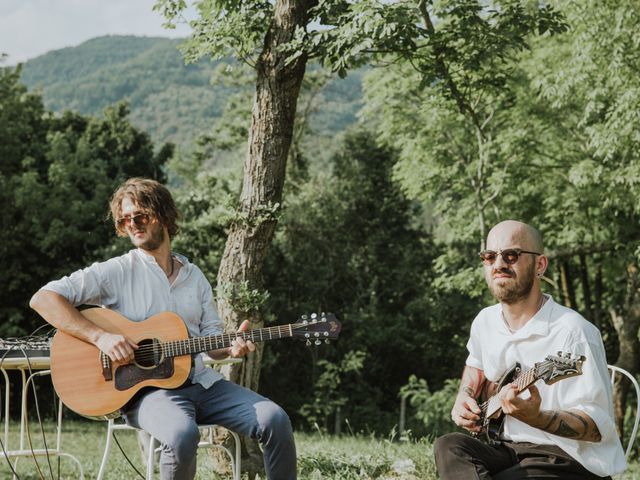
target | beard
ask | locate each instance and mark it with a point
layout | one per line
(513, 289)
(156, 237)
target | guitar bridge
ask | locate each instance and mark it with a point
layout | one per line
(106, 367)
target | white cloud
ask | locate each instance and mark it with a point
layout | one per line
(29, 28)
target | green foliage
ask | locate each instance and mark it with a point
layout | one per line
(223, 28)
(207, 204)
(179, 103)
(433, 409)
(331, 388)
(57, 175)
(349, 243)
(241, 296)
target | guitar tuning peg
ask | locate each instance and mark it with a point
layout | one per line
(304, 317)
(308, 343)
(560, 353)
(326, 340)
(314, 316)
(567, 355)
(318, 342)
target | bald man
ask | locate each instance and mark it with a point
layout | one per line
(565, 430)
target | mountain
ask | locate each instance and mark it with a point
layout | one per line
(168, 99)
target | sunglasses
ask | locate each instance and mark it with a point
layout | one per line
(139, 219)
(509, 255)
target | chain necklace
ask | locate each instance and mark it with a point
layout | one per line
(172, 265)
(543, 300)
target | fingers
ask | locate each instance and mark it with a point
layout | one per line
(535, 394)
(465, 414)
(239, 346)
(117, 347)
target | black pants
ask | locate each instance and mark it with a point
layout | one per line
(462, 457)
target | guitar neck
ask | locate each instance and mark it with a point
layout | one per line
(176, 348)
(524, 381)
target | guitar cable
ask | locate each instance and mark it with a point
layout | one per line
(113, 434)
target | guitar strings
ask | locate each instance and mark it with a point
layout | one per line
(149, 352)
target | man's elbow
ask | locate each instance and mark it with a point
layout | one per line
(38, 300)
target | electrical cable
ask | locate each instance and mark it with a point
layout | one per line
(113, 434)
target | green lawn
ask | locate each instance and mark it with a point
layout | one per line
(319, 457)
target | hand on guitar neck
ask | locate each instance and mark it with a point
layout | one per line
(239, 347)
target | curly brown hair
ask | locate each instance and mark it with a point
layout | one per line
(150, 196)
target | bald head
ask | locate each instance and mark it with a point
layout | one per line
(512, 234)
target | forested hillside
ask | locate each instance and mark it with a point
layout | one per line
(171, 101)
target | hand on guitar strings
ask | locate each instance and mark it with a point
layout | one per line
(466, 413)
(118, 347)
(240, 347)
(526, 410)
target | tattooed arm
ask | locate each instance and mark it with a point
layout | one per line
(570, 424)
(465, 412)
(573, 424)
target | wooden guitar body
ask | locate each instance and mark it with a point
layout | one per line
(89, 383)
(77, 368)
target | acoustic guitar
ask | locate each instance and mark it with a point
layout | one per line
(89, 383)
(551, 370)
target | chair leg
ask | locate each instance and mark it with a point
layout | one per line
(151, 457)
(107, 449)
(236, 465)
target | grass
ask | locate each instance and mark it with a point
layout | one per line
(320, 457)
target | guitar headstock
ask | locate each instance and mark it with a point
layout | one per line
(555, 368)
(317, 327)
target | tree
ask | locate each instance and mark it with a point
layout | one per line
(349, 243)
(57, 174)
(277, 40)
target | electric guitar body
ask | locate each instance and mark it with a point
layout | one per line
(551, 370)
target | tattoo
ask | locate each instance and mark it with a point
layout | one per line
(554, 415)
(585, 426)
(568, 424)
(472, 381)
(564, 430)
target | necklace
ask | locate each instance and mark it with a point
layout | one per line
(543, 300)
(172, 262)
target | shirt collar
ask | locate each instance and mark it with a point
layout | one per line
(145, 257)
(539, 323)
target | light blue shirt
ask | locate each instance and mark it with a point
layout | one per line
(135, 286)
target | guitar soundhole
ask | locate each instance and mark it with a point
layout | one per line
(149, 353)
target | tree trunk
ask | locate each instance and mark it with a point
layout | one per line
(240, 287)
(566, 285)
(586, 288)
(627, 326)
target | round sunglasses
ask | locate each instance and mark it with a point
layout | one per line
(139, 220)
(509, 255)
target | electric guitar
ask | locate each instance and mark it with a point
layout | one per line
(551, 370)
(89, 383)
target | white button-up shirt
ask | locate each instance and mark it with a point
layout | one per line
(135, 286)
(494, 350)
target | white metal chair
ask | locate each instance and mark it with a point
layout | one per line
(614, 372)
(206, 441)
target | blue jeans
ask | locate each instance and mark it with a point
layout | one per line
(172, 417)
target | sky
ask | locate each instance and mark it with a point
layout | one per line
(29, 28)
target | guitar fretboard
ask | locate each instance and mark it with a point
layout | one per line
(523, 381)
(176, 348)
